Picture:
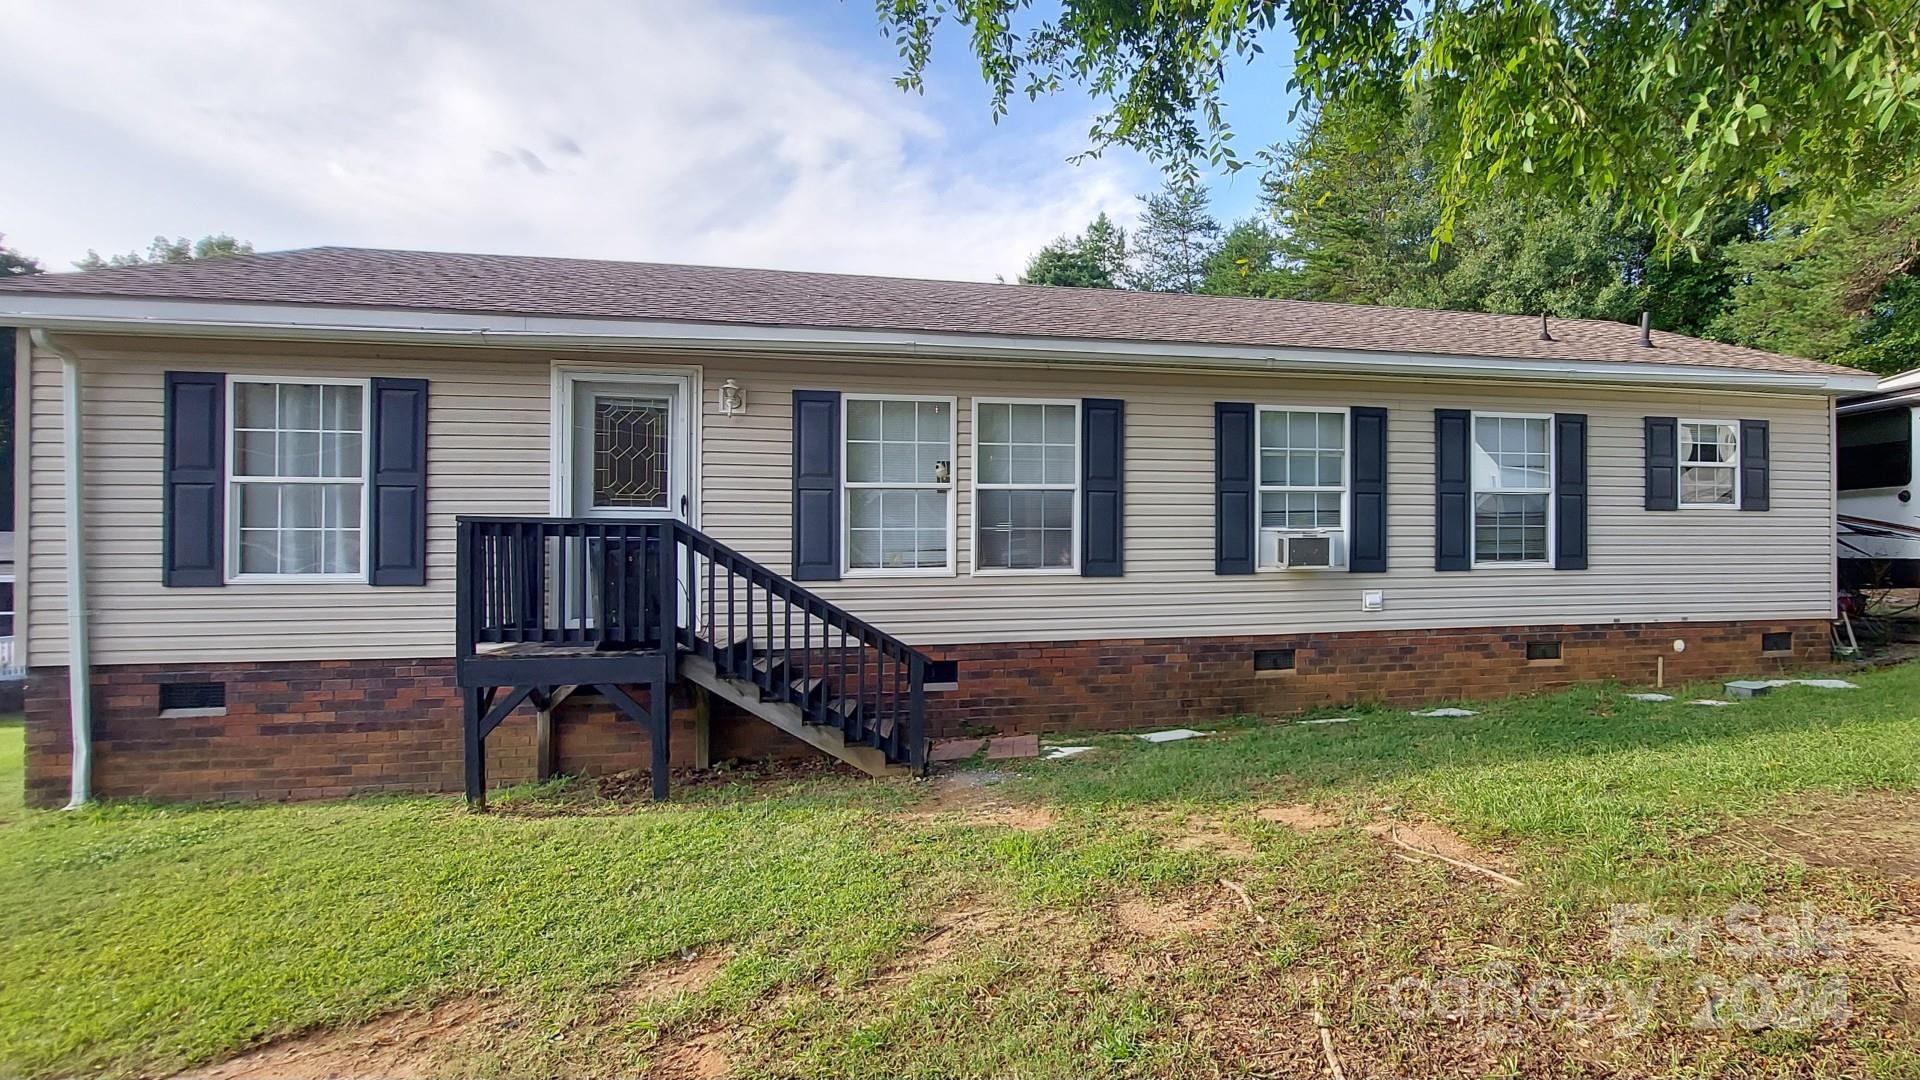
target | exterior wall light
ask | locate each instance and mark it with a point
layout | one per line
(732, 398)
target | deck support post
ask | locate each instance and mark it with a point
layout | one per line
(660, 710)
(476, 745)
(702, 727)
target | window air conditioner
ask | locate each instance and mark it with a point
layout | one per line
(1291, 550)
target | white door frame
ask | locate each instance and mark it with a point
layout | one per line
(686, 420)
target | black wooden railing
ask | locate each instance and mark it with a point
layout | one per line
(599, 583)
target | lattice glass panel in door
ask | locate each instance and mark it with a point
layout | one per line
(631, 437)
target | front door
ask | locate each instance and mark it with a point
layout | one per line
(630, 447)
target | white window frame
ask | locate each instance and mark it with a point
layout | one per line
(1680, 472)
(973, 507)
(847, 570)
(232, 482)
(1260, 489)
(1474, 493)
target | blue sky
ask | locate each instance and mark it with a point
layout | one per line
(742, 132)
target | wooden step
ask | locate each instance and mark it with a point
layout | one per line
(790, 719)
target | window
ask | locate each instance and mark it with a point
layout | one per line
(1542, 651)
(1512, 488)
(299, 491)
(1777, 642)
(1303, 477)
(1709, 463)
(6, 607)
(1026, 484)
(1876, 450)
(899, 484)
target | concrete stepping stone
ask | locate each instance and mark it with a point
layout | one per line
(1330, 720)
(1753, 688)
(1175, 735)
(1055, 753)
(1447, 712)
(1709, 701)
(1828, 684)
(1651, 697)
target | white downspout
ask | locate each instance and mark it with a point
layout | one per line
(79, 666)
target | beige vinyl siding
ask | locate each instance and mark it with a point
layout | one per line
(1694, 564)
(488, 448)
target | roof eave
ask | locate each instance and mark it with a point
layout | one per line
(196, 318)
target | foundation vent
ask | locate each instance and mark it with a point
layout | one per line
(192, 697)
(1273, 660)
(1538, 651)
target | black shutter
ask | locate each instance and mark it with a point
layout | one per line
(1754, 479)
(1367, 547)
(1663, 463)
(816, 485)
(1103, 436)
(1569, 491)
(399, 456)
(193, 547)
(1233, 513)
(1452, 490)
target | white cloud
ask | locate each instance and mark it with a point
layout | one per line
(609, 128)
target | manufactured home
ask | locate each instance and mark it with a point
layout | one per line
(328, 521)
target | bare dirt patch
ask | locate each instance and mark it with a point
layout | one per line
(689, 974)
(1427, 838)
(1159, 921)
(702, 1057)
(401, 1046)
(1878, 833)
(1302, 817)
(1899, 942)
(970, 798)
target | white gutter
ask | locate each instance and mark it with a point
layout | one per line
(195, 318)
(79, 666)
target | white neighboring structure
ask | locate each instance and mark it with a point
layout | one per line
(1879, 519)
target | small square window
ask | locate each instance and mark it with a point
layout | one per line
(1273, 660)
(1543, 650)
(1778, 641)
(943, 673)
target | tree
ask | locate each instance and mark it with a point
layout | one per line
(1067, 262)
(1668, 110)
(1850, 295)
(14, 264)
(1250, 261)
(1174, 240)
(1095, 259)
(163, 250)
(1358, 197)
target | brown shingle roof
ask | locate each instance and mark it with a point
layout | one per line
(522, 285)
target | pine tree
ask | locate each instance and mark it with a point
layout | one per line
(1175, 238)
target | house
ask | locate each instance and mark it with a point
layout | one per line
(356, 517)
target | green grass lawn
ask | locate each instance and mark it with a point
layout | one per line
(863, 933)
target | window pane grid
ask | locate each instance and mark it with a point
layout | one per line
(298, 486)
(1709, 460)
(897, 502)
(1303, 469)
(1024, 480)
(1512, 484)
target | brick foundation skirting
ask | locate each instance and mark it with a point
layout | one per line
(322, 729)
(1109, 685)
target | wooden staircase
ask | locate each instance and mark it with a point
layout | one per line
(546, 603)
